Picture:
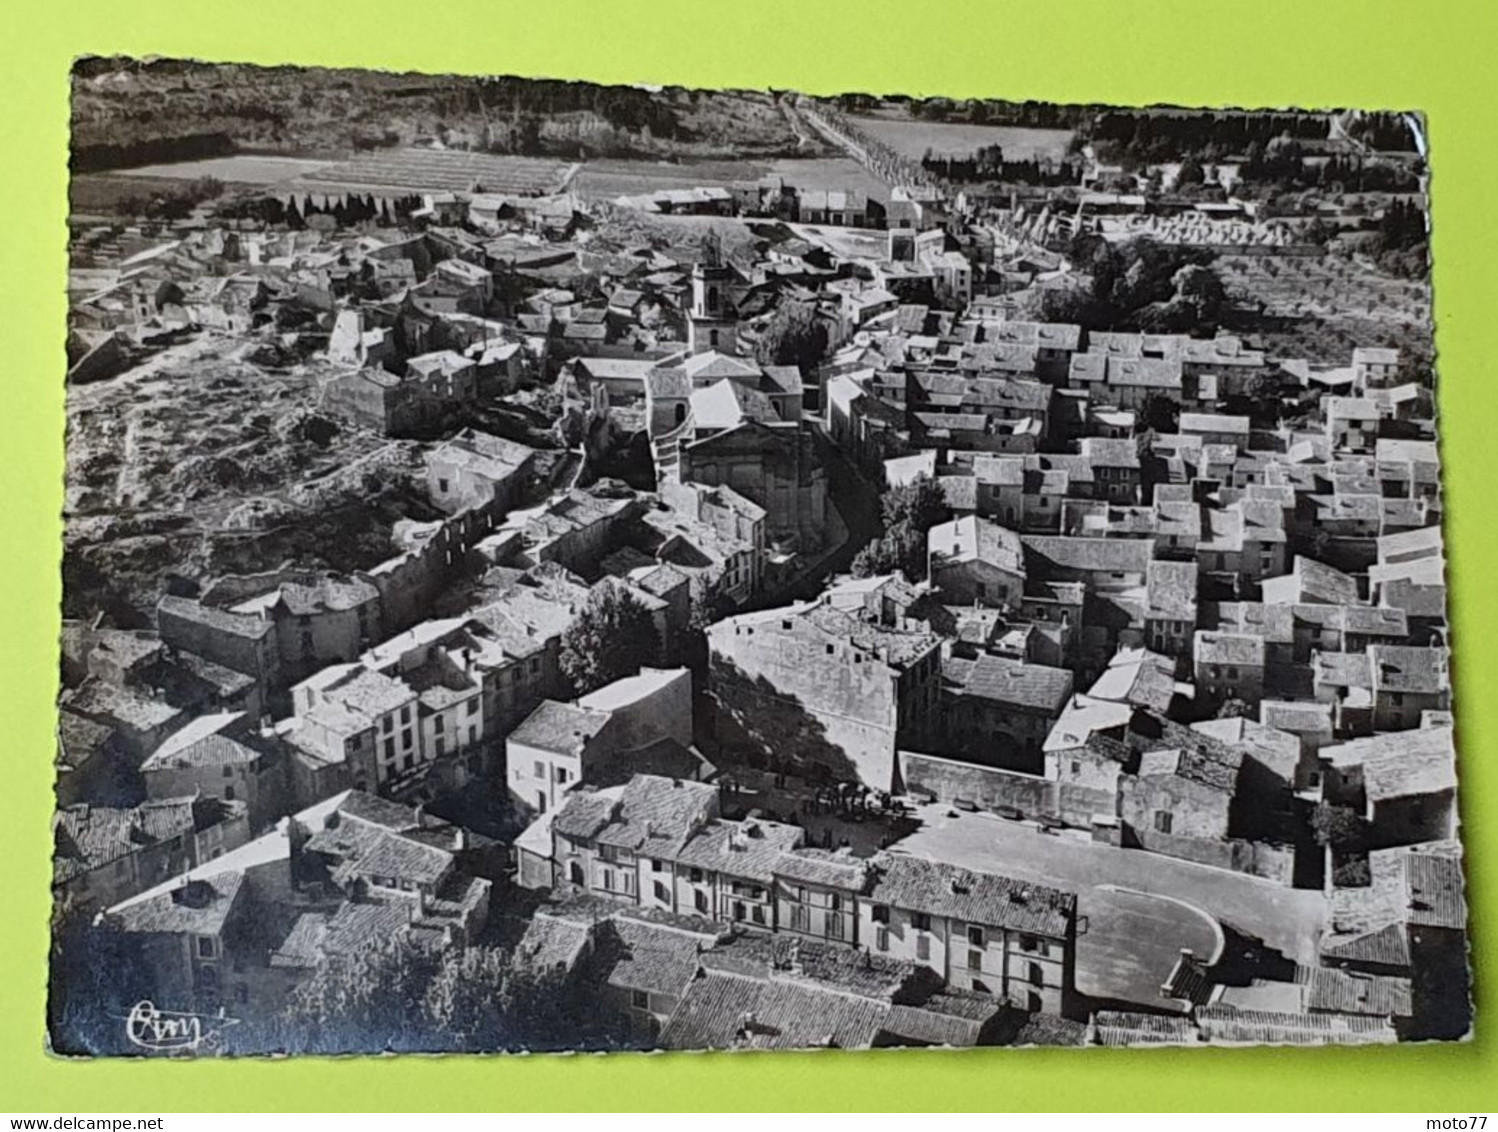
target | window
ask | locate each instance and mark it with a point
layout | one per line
(561, 774)
(696, 876)
(662, 893)
(608, 880)
(442, 486)
(406, 741)
(975, 960)
(405, 715)
(388, 723)
(228, 793)
(920, 921)
(390, 748)
(473, 706)
(1163, 821)
(538, 769)
(757, 914)
(880, 913)
(656, 866)
(835, 927)
(206, 947)
(1037, 975)
(575, 873)
(975, 935)
(437, 724)
(738, 910)
(835, 902)
(1029, 943)
(881, 939)
(639, 999)
(1076, 767)
(699, 899)
(798, 918)
(923, 947)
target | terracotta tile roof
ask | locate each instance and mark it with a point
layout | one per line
(1347, 992)
(645, 956)
(721, 1011)
(940, 889)
(1400, 764)
(1123, 1028)
(200, 906)
(88, 837)
(751, 849)
(559, 727)
(1043, 1029)
(553, 944)
(1266, 1027)
(1016, 683)
(831, 966)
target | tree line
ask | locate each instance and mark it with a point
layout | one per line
(987, 164)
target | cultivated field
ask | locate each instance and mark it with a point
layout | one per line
(238, 169)
(911, 138)
(610, 178)
(440, 170)
(103, 193)
(1322, 307)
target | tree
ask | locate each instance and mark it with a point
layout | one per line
(909, 512)
(1352, 873)
(1200, 290)
(370, 1000)
(921, 504)
(1340, 827)
(1234, 708)
(899, 548)
(793, 336)
(1160, 413)
(613, 637)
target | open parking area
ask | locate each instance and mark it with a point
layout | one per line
(1286, 919)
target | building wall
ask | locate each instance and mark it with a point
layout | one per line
(664, 713)
(816, 911)
(254, 656)
(988, 788)
(1195, 810)
(541, 792)
(1031, 971)
(1410, 821)
(976, 583)
(781, 690)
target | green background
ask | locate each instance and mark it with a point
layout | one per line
(1433, 56)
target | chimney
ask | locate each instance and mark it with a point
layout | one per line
(418, 813)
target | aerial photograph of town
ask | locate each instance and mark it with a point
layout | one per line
(556, 567)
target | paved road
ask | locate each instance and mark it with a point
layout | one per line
(1132, 941)
(1287, 919)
